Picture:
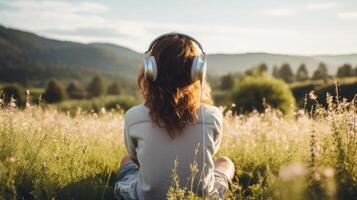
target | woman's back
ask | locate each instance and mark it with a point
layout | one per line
(156, 151)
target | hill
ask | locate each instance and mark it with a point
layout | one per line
(31, 59)
(26, 57)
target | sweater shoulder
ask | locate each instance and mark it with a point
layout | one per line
(136, 114)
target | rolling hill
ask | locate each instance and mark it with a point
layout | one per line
(28, 58)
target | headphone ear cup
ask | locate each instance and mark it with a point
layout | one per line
(150, 68)
(198, 69)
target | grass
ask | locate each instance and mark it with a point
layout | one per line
(47, 154)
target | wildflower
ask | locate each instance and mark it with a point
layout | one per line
(328, 172)
(12, 159)
(287, 173)
(12, 104)
(312, 95)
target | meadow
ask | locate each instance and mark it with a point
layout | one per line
(311, 154)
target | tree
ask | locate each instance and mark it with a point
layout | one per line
(14, 91)
(321, 72)
(286, 73)
(275, 72)
(302, 73)
(74, 91)
(262, 68)
(257, 70)
(96, 87)
(345, 70)
(227, 82)
(54, 92)
(114, 89)
(253, 93)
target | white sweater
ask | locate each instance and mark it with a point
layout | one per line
(156, 152)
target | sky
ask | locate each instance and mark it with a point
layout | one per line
(304, 27)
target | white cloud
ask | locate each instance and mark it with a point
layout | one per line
(321, 5)
(348, 15)
(64, 20)
(89, 22)
(280, 12)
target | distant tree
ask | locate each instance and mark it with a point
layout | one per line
(302, 73)
(54, 92)
(286, 73)
(96, 87)
(275, 72)
(114, 89)
(257, 70)
(262, 68)
(321, 72)
(227, 82)
(345, 70)
(14, 91)
(74, 91)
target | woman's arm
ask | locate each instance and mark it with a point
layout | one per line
(130, 144)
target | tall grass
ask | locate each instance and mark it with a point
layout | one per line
(47, 154)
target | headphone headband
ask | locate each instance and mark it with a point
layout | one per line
(152, 44)
(198, 67)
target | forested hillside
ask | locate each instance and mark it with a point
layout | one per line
(30, 59)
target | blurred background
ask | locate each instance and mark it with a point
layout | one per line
(88, 53)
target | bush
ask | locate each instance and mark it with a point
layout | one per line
(54, 92)
(252, 93)
(14, 91)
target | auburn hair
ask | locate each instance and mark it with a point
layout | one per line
(173, 99)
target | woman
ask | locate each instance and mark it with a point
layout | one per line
(177, 126)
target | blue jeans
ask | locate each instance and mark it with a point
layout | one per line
(127, 181)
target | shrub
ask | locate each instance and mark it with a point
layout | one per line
(252, 93)
(14, 91)
(54, 92)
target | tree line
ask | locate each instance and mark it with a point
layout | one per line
(55, 91)
(284, 72)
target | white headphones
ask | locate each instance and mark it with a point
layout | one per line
(198, 67)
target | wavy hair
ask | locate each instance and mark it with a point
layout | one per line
(173, 99)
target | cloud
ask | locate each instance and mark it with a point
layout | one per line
(280, 12)
(321, 5)
(56, 6)
(348, 15)
(84, 22)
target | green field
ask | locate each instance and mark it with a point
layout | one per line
(46, 154)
